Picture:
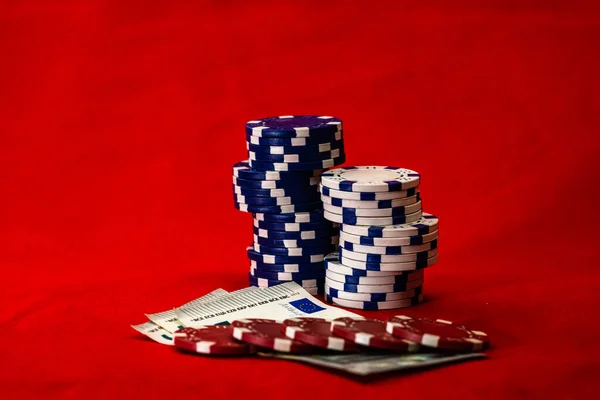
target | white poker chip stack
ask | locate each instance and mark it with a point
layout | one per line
(385, 238)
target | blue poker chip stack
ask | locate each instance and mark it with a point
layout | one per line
(386, 240)
(279, 185)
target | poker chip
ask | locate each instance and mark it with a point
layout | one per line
(371, 333)
(295, 208)
(340, 268)
(389, 250)
(367, 266)
(437, 333)
(397, 287)
(369, 280)
(290, 243)
(317, 332)
(373, 297)
(303, 267)
(262, 282)
(380, 258)
(301, 217)
(301, 235)
(293, 251)
(314, 149)
(243, 170)
(266, 333)
(374, 212)
(277, 201)
(295, 158)
(283, 259)
(426, 224)
(400, 241)
(296, 192)
(298, 166)
(377, 221)
(288, 183)
(294, 141)
(287, 276)
(334, 272)
(370, 179)
(214, 340)
(295, 226)
(293, 126)
(368, 196)
(376, 204)
(374, 305)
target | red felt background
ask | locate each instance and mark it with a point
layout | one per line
(119, 123)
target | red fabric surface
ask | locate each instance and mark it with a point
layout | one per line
(119, 123)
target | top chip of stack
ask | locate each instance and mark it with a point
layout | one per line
(383, 231)
(279, 185)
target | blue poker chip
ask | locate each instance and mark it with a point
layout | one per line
(287, 184)
(373, 297)
(295, 142)
(308, 268)
(302, 198)
(374, 305)
(296, 226)
(293, 251)
(367, 196)
(288, 276)
(388, 250)
(301, 235)
(296, 208)
(243, 170)
(310, 149)
(263, 258)
(293, 126)
(302, 217)
(297, 243)
(292, 191)
(260, 282)
(370, 179)
(295, 158)
(299, 166)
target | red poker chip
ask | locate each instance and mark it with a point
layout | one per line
(217, 339)
(267, 333)
(316, 332)
(437, 333)
(370, 332)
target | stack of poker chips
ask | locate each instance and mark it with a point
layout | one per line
(385, 238)
(278, 184)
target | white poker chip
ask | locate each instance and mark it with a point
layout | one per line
(379, 258)
(374, 212)
(388, 250)
(372, 221)
(361, 204)
(367, 196)
(370, 179)
(426, 224)
(400, 241)
(398, 287)
(372, 267)
(340, 294)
